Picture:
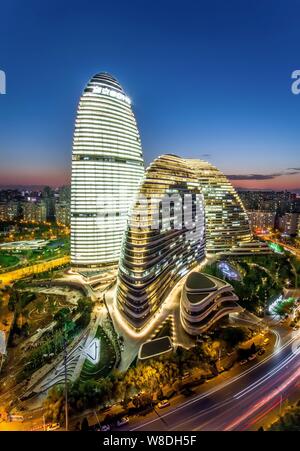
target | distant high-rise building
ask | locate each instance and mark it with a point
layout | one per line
(62, 213)
(49, 203)
(34, 211)
(261, 221)
(161, 244)
(275, 201)
(288, 224)
(227, 224)
(107, 166)
(9, 211)
(64, 194)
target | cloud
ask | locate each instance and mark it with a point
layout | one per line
(253, 176)
(262, 176)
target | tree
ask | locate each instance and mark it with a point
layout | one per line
(84, 425)
(55, 404)
(233, 335)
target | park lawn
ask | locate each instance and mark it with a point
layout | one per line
(8, 260)
(106, 361)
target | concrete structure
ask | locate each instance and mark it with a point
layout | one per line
(107, 166)
(24, 245)
(204, 300)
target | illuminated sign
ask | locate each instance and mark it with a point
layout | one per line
(111, 93)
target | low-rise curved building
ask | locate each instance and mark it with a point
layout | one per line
(227, 223)
(162, 242)
(204, 300)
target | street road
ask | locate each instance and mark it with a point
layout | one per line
(245, 401)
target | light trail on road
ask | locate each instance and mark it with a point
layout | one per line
(232, 402)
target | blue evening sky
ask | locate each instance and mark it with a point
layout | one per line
(209, 79)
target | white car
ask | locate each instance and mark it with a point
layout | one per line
(162, 404)
(252, 357)
(53, 427)
(105, 428)
(122, 421)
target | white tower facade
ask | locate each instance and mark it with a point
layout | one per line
(107, 166)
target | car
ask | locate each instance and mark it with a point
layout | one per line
(266, 341)
(16, 417)
(261, 351)
(105, 428)
(186, 375)
(122, 421)
(252, 357)
(295, 328)
(242, 362)
(53, 427)
(162, 404)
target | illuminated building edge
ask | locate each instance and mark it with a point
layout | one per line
(152, 261)
(107, 166)
(203, 305)
(227, 223)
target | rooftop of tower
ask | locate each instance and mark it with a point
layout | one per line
(106, 80)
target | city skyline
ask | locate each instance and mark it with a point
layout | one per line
(227, 98)
(149, 219)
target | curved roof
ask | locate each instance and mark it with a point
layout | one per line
(199, 282)
(107, 81)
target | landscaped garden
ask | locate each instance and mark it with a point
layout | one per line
(43, 323)
(106, 361)
(7, 260)
(263, 278)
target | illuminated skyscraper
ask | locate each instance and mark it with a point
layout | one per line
(227, 224)
(164, 239)
(107, 166)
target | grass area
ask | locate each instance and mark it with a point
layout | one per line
(8, 260)
(16, 259)
(106, 361)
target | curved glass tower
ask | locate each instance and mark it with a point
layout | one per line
(107, 166)
(227, 223)
(163, 241)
